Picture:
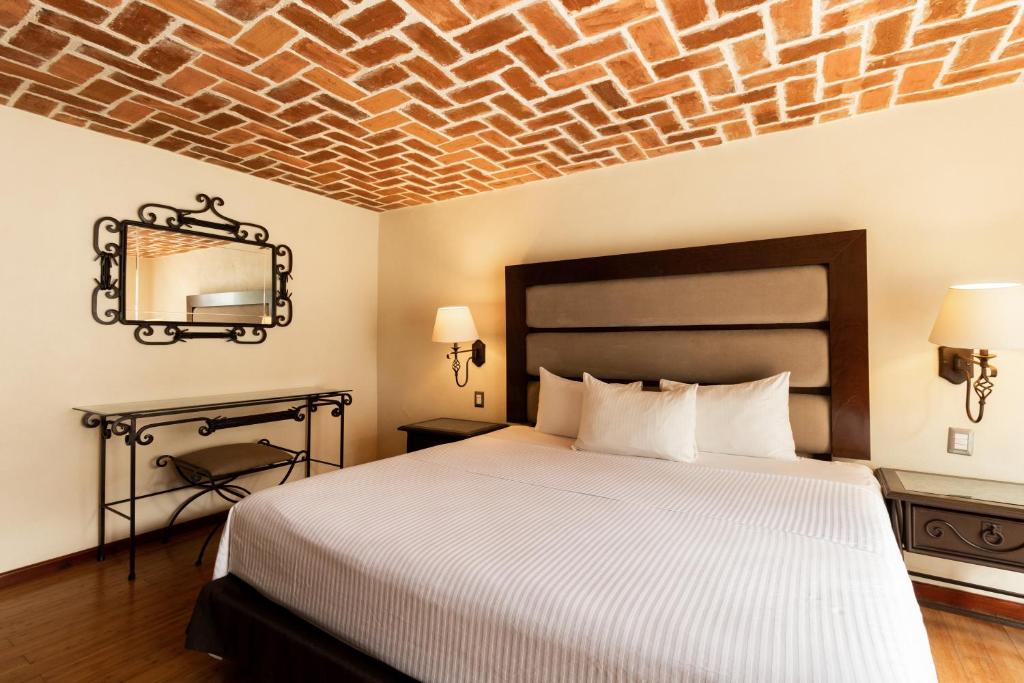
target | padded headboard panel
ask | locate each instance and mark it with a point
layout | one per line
(714, 315)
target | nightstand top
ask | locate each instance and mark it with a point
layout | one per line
(453, 427)
(918, 485)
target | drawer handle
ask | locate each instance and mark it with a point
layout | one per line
(991, 535)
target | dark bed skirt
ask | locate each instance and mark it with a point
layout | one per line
(232, 620)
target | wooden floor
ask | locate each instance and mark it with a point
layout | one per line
(87, 623)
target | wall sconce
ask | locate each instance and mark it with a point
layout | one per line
(972, 320)
(455, 324)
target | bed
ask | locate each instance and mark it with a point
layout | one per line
(513, 557)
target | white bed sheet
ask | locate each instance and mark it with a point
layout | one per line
(511, 557)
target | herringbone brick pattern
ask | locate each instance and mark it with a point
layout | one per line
(389, 103)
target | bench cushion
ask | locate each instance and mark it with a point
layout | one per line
(232, 458)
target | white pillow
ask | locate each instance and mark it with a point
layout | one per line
(744, 419)
(623, 421)
(558, 408)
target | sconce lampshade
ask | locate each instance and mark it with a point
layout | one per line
(981, 316)
(454, 324)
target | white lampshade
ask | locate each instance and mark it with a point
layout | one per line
(981, 316)
(454, 324)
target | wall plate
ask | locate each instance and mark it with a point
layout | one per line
(478, 399)
(960, 441)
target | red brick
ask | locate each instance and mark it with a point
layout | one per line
(86, 32)
(166, 56)
(140, 22)
(281, 66)
(687, 13)
(39, 40)
(74, 68)
(611, 16)
(890, 34)
(522, 83)
(384, 50)
(799, 91)
(491, 33)
(530, 52)
(35, 104)
(654, 39)
(13, 11)
(201, 15)
(325, 57)
(976, 49)
(750, 54)
(871, 100)
(376, 18)
(591, 52)
(811, 48)
(733, 28)
(978, 22)
(919, 77)
(104, 91)
(549, 24)
(482, 65)
(630, 70)
(717, 80)
(791, 19)
(245, 10)
(442, 13)
(842, 64)
(317, 26)
(266, 37)
(434, 45)
(944, 10)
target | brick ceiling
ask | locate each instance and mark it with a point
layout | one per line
(391, 103)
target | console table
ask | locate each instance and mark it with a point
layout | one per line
(137, 421)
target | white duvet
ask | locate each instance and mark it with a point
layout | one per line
(511, 557)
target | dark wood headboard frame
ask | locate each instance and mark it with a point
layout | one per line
(844, 254)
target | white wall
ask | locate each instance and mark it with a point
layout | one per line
(55, 180)
(937, 185)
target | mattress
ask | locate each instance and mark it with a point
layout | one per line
(511, 557)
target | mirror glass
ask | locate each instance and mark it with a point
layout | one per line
(176, 277)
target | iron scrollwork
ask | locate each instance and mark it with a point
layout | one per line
(991, 535)
(108, 294)
(106, 286)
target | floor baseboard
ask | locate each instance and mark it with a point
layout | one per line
(32, 571)
(964, 602)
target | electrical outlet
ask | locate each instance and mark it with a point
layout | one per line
(960, 441)
(478, 399)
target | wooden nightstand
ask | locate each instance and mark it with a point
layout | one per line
(957, 518)
(441, 430)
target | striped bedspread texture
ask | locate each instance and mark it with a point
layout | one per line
(506, 558)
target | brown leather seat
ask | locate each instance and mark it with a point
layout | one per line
(220, 461)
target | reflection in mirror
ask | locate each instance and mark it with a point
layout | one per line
(176, 277)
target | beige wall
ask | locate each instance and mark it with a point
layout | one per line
(938, 186)
(55, 180)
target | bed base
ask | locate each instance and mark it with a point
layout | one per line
(232, 620)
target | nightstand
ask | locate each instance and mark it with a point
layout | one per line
(957, 518)
(420, 435)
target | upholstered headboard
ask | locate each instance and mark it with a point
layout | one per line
(715, 315)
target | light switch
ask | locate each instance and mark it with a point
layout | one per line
(960, 441)
(478, 399)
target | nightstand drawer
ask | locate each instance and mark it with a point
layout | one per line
(959, 535)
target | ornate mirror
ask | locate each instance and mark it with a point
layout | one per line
(191, 274)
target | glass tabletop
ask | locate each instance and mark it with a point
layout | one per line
(242, 398)
(1002, 492)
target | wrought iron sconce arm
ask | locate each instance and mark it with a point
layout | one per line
(957, 366)
(478, 355)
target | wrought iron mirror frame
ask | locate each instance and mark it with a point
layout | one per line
(110, 237)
